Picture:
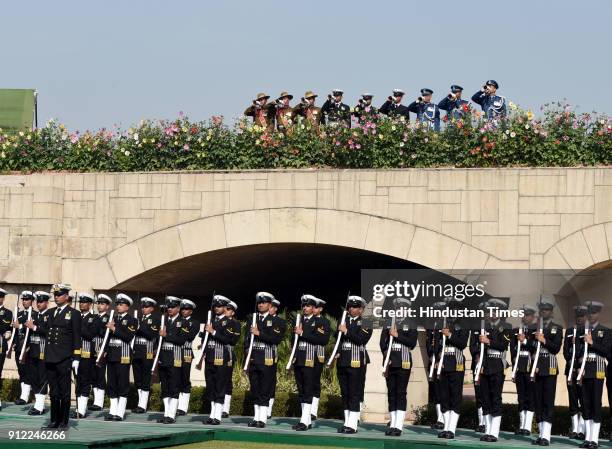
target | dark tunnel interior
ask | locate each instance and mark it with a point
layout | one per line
(286, 270)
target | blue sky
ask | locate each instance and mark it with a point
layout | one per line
(100, 63)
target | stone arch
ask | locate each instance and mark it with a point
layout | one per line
(275, 225)
(582, 249)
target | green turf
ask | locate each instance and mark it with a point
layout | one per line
(142, 432)
(243, 445)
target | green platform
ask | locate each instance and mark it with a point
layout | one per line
(142, 431)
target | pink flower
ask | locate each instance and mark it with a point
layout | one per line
(74, 138)
(358, 146)
(185, 147)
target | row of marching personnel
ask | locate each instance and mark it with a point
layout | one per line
(281, 115)
(99, 349)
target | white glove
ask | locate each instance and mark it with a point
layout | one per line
(75, 366)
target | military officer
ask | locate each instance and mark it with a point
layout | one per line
(268, 332)
(364, 111)
(432, 343)
(306, 109)
(524, 387)
(397, 340)
(312, 333)
(573, 349)
(38, 326)
(230, 311)
(90, 328)
(352, 359)
(193, 325)
(495, 340)
(262, 112)
(393, 107)
(475, 352)
(336, 113)
(428, 113)
(598, 340)
(493, 105)
(174, 333)
(223, 334)
(451, 357)
(62, 353)
(119, 357)
(283, 112)
(549, 335)
(274, 306)
(318, 312)
(454, 105)
(24, 366)
(145, 345)
(103, 303)
(6, 318)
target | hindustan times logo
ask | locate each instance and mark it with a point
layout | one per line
(413, 291)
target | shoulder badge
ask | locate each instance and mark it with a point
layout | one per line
(553, 331)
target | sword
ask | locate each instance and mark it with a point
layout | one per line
(337, 345)
(295, 343)
(388, 355)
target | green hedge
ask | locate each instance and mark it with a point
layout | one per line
(560, 137)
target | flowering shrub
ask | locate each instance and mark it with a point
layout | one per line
(561, 137)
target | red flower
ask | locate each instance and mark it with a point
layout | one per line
(445, 118)
(465, 107)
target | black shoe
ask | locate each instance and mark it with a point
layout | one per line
(438, 426)
(50, 425)
(442, 434)
(109, 418)
(396, 433)
(252, 423)
(76, 415)
(389, 431)
(159, 420)
(450, 435)
(20, 402)
(341, 429)
(525, 432)
(117, 418)
(573, 436)
(349, 430)
(169, 420)
(180, 413)
(139, 410)
(208, 421)
(224, 415)
(34, 412)
(593, 445)
(581, 436)
(313, 417)
(585, 444)
(544, 442)
(261, 424)
(536, 442)
(388, 423)
(301, 427)
(94, 408)
(215, 422)
(480, 429)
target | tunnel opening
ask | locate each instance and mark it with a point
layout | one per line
(286, 270)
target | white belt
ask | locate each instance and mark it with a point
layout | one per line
(493, 352)
(524, 353)
(449, 350)
(34, 339)
(168, 346)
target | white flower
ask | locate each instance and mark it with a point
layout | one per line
(507, 131)
(127, 153)
(513, 134)
(135, 136)
(20, 133)
(401, 144)
(526, 126)
(393, 128)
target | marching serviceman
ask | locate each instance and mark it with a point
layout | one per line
(336, 113)
(427, 113)
(312, 333)
(90, 328)
(550, 336)
(119, 357)
(475, 351)
(262, 112)
(524, 385)
(403, 335)
(283, 112)
(230, 311)
(174, 334)
(274, 306)
(62, 354)
(145, 345)
(306, 109)
(268, 333)
(432, 338)
(493, 105)
(393, 107)
(223, 334)
(24, 368)
(317, 311)
(103, 303)
(352, 361)
(193, 326)
(450, 388)
(454, 105)
(495, 340)
(598, 341)
(36, 352)
(6, 318)
(364, 110)
(573, 348)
